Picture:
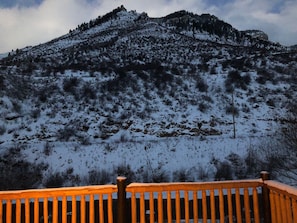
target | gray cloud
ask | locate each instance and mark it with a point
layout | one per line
(22, 26)
(275, 17)
(19, 3)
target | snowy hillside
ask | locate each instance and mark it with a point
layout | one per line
(151, 97)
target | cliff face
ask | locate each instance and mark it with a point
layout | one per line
(257, 34)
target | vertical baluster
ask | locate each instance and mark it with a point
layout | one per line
(187, 217)
(142, 208)
(278, 207)
(160, 207)
(230, 206)
(18, 212)
(177, 206)
(283, 208)
(110, 217)
(222, 206)
(45, 210)
(27, 210)
(247, 208)
(212, 206)
(133, 208)
(82, 209)
(8, 211)
(169, 212)
(152, 209)
(64, 209)
(294, 210)
(73, 209)
(238, 205)
(55, 210)
(256, 206)
(36, 210)
(101, 210)
(272, 197)
(91, 209)
(289, 209)
(204, 207)
(195, 206)
(1, 210)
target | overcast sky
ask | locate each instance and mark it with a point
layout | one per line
(30, 22)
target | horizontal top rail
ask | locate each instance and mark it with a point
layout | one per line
(58, 192)
(159, 187)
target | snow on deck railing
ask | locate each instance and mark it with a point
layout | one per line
(258, 200)
(283, 202)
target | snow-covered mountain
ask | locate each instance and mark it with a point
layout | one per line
(154, 93)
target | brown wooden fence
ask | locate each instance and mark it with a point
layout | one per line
(283, 202)
(258, 200)
(223, 201)
(73, 204)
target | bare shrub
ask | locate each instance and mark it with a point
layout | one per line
(70, 85)
(155, 175)
(35, 113)
(48, 148)
(17, 173)
(264, 75)
(66, 133)
(126, 171)
(109, 148)
(223, 169)
(2, 129)
(245, 108)
(238, 164)
(236, 80)
(17, 106)
(98, 177)
(179, 175)
(230, 110)
(201, 85)
(160, 175)
(275, 157)
(286, 156)
(182, 175)
(21, 86)
(54, 180)
(202, 173)
(203, 107)
(253, 163)
(88, 92)
(2, 82)
(84, 139)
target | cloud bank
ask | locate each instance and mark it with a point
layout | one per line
(42, 20)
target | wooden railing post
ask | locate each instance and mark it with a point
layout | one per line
(265, 198)
(121, 206)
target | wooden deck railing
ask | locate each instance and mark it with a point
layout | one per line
(74, 204)
(283, 202)
(214, 200)
(259, 200)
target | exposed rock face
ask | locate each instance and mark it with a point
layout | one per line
(257, 34)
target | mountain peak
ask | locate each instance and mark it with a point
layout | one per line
(125, 83)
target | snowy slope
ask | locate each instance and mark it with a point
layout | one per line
(143, 92)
